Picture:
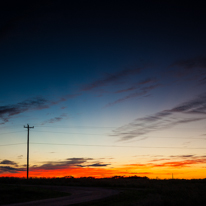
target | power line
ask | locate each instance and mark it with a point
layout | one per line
(11, 126)
(86, 145)
(125, 133)
(12, 144)
(70, 133)
(11, 132)
(78, 127)
(109, 135)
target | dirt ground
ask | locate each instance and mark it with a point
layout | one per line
(78, 195)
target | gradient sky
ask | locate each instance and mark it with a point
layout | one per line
(111, 88)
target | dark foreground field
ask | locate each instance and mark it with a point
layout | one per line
(142, 192)
(23, 193)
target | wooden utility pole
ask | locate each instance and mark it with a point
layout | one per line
(28, 149)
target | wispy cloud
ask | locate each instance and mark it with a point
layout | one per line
(203, 80)
(183, 161)
(192, 156)
(141, 92)
(55, 119)
(179, 157)
(70, 163)
(127, 89)
(190, 69)
(37, 103)
(8, 111)
(11, 167)
(98, 165)
(9, 162)
(147, 81)
(186, 69)
(164, 119)
(65, 98)
(195, 106)
(20, 156)
(111, 79)
(138, 85)
(8, 169)
(191, 63)
(135, 94)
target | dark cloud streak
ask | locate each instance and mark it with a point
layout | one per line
(138, 85)
(189, 69)
(98, 165)
(8, 111)
(192, 63)
(37, 103)
(69, 163)
(8, 162)
(143, 91)
(111, 79)
(164, 119)
(55, 119)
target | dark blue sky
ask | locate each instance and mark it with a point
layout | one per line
(60, 42)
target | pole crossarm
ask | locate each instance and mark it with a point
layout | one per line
(28, 148)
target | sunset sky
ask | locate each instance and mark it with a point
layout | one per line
(111, 88)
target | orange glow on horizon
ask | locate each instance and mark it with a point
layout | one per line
(130, 170)
(75, 172)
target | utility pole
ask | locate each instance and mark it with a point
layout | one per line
(28, 149)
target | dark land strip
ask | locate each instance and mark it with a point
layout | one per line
(78, 195)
